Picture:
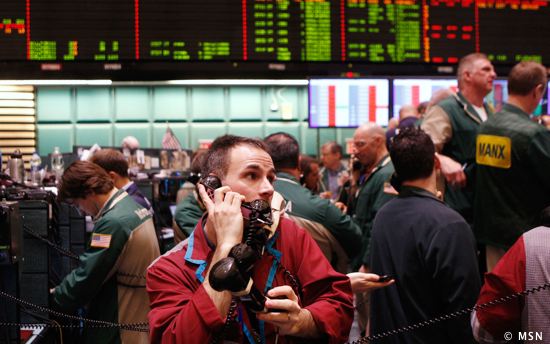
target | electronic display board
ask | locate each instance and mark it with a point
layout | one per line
(415, 91)
(348, 103)
(355, 31)
(499, 94)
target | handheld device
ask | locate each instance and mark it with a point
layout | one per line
(385, 278)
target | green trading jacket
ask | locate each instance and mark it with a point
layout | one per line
(187, 215)
(453, 125)
(370, 197)
(509, 200)
(302, 204)
(110, 279)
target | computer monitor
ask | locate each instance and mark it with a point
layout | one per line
(414, 91)
(499, 94)
(348, 103)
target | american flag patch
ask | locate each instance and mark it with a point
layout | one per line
(101, 240)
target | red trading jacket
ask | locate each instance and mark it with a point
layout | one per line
(182, 311)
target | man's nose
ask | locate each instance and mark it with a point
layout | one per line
(266, 188)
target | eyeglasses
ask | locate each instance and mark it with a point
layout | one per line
(359, 144)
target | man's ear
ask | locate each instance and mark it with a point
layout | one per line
(113, 175)
(539, 92)
(379, 140)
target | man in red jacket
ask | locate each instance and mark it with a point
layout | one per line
(306, 298)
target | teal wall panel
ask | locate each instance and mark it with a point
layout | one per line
(88, 134)
(170, 103)
(284, 101)
(205, 131)
(246, 129)
(54, 104)
(141, 131)
(52, 135)
(181, 130)
(93, 104)
(105, 115)
(208, 104)
(326, 135)
(343, 136)
(309, 140)
(132, 104)
(292, 128)
(245, 103)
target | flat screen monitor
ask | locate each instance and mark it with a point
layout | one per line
(348, 103)
(499, 94)
(415, 91)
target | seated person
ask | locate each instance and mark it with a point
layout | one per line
(110, 278)
(306, 298)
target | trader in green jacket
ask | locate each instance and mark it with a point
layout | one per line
(453, 125)
(374, 191)
(513, 157)
(336, 233)
(110, 279)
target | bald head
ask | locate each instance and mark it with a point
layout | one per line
(369, 144)
(370, 129)
(407, 111)
(130, 142)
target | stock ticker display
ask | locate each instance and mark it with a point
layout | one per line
(370, 31)
(346, 103)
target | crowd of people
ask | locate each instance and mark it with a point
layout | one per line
(290, 249)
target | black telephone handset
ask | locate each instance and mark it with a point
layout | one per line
(234, 273)
(211, 183)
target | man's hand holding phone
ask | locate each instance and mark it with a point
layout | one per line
(224, 213)
(288, 316)
(365, 282)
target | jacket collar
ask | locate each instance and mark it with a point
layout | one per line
(383, 162)
(198, 249)
(507, 107)
(116, 196)
(469, 109)
(286, 177)
(413, 191)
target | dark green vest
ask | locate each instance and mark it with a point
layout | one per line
(465, 123)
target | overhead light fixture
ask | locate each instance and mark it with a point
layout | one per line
(240, 82)
(59, 82)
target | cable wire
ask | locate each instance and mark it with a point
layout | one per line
(452, 315)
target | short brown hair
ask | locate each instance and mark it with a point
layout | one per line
(111, 160)
(305, 164)
(284, 150)
(334, 147)
(81, 179)
(525, 76)
(217, 158)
